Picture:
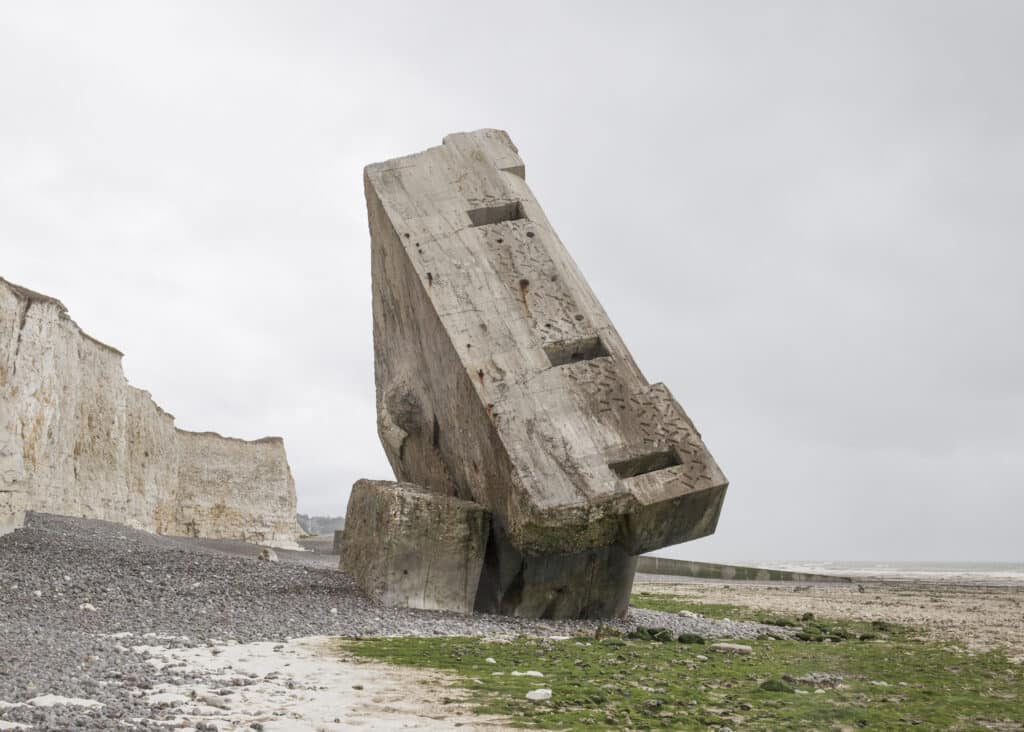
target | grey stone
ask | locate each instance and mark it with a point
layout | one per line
(408, 547)
(501, 380)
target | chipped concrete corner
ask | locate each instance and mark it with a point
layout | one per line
(77, 439)
(501, 381)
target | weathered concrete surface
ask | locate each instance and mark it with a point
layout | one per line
(77, 439)
(590, 584)
(408, 547)
(501, 380)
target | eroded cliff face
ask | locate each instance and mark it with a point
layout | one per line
(77, 439)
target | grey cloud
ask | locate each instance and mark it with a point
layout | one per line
(804, 218)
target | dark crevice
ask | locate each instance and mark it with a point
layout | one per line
(644, 464)
(22, 318)
(496, 214)
(582, 349)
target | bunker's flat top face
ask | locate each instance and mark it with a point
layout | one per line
(586, 439)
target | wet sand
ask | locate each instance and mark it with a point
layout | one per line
(973, 616)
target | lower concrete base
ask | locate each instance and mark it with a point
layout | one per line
(407, 547)
(592, 585)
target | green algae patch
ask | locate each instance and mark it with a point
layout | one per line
(896, 681)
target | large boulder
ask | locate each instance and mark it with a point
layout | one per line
(408, 547)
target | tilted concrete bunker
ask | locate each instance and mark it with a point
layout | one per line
(501, 380)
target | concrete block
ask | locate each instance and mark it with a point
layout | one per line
(408, 547)
(501, 380)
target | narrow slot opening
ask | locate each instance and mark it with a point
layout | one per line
(583, 349)
(645, 464)
(435, 437)
(496, 214)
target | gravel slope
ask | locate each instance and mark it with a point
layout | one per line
(188, 592)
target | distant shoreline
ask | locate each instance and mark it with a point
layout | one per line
(974, 573)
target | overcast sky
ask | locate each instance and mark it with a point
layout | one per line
(806, 220)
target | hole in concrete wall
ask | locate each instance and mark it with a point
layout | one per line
(583, 349)
(645, 464)
(496, 214)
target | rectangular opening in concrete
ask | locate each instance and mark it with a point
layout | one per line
(645, 464)
(583, 349)
(496, 214)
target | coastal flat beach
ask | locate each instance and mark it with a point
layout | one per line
(973, 615)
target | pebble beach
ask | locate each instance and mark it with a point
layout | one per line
(93, 613)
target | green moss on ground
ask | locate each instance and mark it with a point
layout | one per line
(895, 680)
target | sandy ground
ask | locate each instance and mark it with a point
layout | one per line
(305, 685)
(974, 616)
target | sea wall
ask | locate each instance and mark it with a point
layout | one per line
(77, 439)
(705, 570)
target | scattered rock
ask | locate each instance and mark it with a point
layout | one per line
(87, 606)
(777, 685)
(539, 695)
(268, 555)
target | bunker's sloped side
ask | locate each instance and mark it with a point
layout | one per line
(500, 379)
(77, 439)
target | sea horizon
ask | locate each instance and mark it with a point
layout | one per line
(973, 571)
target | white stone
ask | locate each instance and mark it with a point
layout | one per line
(736, 648)
(539, 695)
(87, 606)
(527, 673)
(489, 660)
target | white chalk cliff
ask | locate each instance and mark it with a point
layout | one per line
(77, 439)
